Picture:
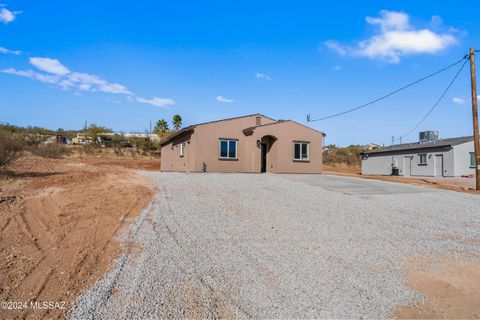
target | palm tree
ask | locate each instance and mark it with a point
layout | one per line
(177, 121)
(161, 127)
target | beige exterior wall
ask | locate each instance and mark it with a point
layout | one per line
(172, 161)
(280, 156)
(206, 139)
(202, 146)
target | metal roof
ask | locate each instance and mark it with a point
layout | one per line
(418, 146)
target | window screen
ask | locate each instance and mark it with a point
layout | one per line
(232, 149)
(423, 159)
(228, 149)
(223, 149)
(301, 151)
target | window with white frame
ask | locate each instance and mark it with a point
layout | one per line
(423, 158)
(301, 151)
(472, 159)
(182, 149)
(228, 149)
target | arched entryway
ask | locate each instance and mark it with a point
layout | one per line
(266, 144)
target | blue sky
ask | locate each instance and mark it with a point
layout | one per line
(127, 63)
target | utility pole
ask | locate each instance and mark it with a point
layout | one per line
(476, 138)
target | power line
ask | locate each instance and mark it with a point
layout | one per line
(438, 100)
(390, 93)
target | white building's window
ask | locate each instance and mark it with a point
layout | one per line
(423, 159)
(301, 151)
(182, 149)
(228, 149)
(472, 159)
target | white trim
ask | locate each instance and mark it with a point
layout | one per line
(182, 149)
(471, 156)
(228, 149)
(420, 158)
(308, 151)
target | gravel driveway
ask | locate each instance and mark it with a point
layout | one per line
(278, 246)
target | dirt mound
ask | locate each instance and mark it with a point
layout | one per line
(452, 289)
(58, 223)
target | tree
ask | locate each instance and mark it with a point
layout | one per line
(161, 127)
(177, 121)
(94, 136)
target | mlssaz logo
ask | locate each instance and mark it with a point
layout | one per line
(45, 305)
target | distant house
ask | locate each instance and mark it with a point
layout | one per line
(253, 143)
(372, 146)
(431, 157)
(81, 138)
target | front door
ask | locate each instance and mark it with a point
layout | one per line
(407, 166)
(263, 165)
(438, 165)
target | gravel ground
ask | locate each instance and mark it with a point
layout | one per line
(277, 246)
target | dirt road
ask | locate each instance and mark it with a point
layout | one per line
(59, 220)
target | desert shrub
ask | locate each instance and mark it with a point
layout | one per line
(118, 143)
(350, 155)
(94, 137)
(51, 150)
(143, 144)
(10, 148)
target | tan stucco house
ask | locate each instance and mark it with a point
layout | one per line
(253, 143)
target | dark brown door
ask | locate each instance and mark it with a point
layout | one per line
(263, 166)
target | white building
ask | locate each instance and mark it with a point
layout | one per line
(453, 157)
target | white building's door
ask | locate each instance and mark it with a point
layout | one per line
(438, 165)
(407, 166)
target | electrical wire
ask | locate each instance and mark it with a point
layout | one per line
(390, 93)
(438, 100)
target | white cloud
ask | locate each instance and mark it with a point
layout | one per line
(224, 100)
(337, 68)
(158, 102)
(59, 75)
(396, 38)
(55, 73)
(45, 78)
(49, 65)
(7, 16)
(8, 51)
(337, 47)
(260, 75)
(458, 101)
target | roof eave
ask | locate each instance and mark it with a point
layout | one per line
(176, 134)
